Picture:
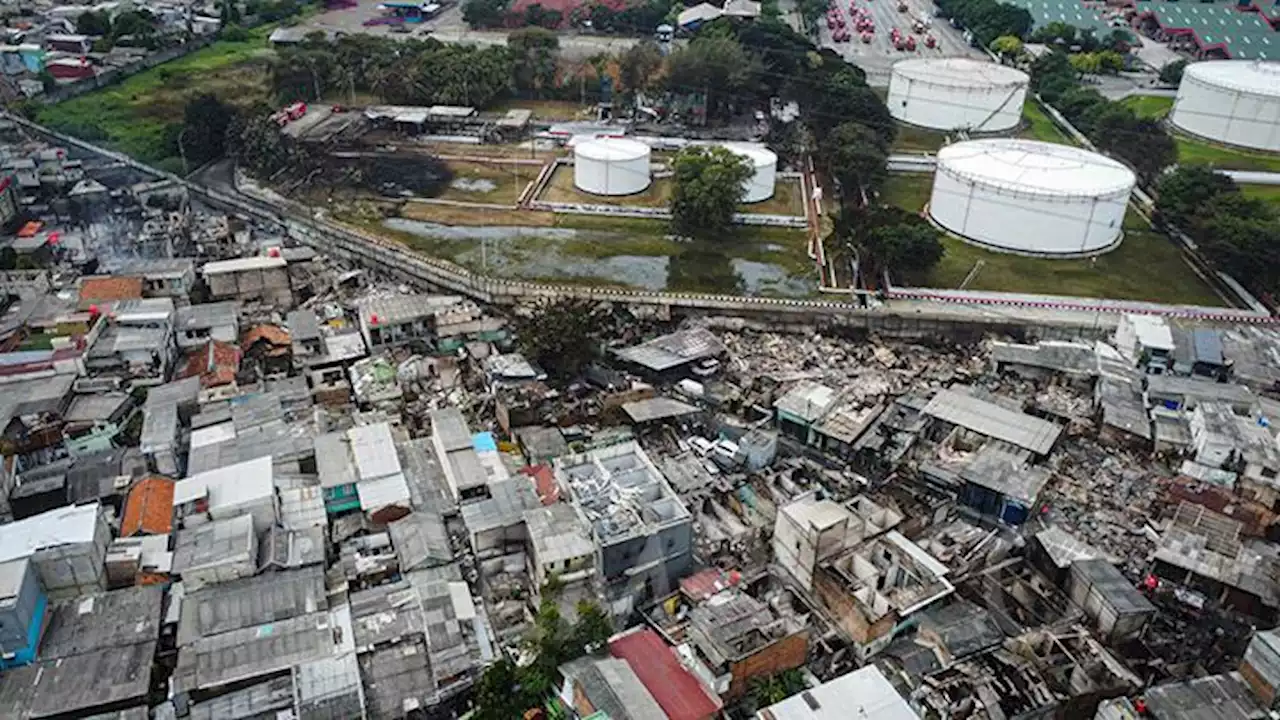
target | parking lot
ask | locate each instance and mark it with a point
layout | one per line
(877, 56)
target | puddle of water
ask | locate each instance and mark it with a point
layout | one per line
(539, 253)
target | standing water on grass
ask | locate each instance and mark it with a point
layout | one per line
(606, 257)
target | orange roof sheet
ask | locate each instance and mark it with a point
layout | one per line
(271, 333)
(30, 229)
(215, 364)
(109, 288)
(149, 508)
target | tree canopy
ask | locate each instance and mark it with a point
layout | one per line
(1239, 235)
(886, 239)
(855, 156)
(988, 19)
(204, 129)
(535, 52)
(716, 66)
(562, 336)
(411, 72)
(708, 188)
(1171, 73)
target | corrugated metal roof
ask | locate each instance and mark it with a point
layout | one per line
(374, 451)
(61, 526)
(1025, 431)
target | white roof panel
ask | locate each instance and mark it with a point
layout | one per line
(260, 262)
(960, 72)
(864, 693)
(1034, 167)
(1250, 76)
(374, 451)
(61, 526)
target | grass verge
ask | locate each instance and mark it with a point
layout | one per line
(1040, 126)
(1149, 106)
(1147, 266)
(498, 183)
(1198, 152)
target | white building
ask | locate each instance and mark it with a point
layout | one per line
(863, 694)
(1146, 341)
(243, 488)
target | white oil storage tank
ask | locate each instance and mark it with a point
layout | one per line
(1236, 102)
(1030, 197)
(957, 94)
(611, 166)
(764, 171)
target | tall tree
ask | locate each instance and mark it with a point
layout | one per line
(1171, 73)
(498, 694)
(535, 51)
(888, 239)
(855, 156)
(708, 188)
(204, 129)
(592, 630)
(639, 66)
(716, 66)
(562, 336)
(481, 14)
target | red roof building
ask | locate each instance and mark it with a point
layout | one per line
(679, 693)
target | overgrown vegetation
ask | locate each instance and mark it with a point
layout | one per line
(507, 690)
(1237, 233)
(409, 72)
(143, 115)
(562, 336)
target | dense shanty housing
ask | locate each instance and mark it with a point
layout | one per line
(243, 478)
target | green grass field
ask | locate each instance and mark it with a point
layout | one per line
(909, 191)
(1270, 193)
(912, 139)
(1198, 152)
(1040, 126)
(1148, 106)
(142, 115)
(1146, 266)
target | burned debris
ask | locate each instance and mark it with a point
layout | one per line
(243, 479)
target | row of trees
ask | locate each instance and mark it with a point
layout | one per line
(1238, 234)
(638, 18)
(1113, 127)
(134, 28)
(410, 72)
(988, 19)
